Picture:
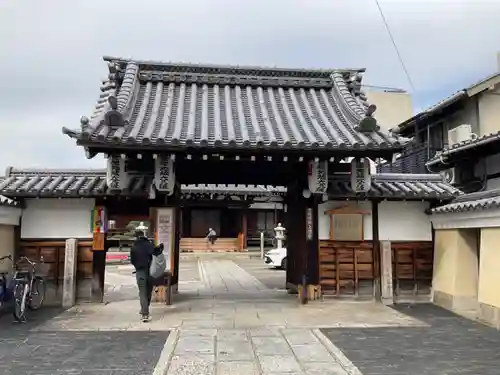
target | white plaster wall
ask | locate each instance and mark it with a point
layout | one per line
(398, 221)
(57, 218)
(404, 221)
(493, 183)
(489, 110)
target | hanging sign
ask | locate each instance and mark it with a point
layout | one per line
(116, 175)
(164, 174)
(318, 177)
(360, 175)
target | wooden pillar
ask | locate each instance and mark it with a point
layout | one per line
(244, 227)
(376, 252)
(312, 248)
(174, 201)
(293, 230)
(98, 270)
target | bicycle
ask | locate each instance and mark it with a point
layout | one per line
(28, 285)
(5, 291)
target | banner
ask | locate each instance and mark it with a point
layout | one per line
(99, 220)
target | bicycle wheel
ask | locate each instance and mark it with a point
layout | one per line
(20, 297)
(37, 295)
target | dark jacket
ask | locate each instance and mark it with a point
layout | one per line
(141, 253)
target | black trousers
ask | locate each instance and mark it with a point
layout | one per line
(212, 239)
(145, 285)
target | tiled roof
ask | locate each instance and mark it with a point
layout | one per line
(168, 106)
(466, 92)
(92, 183)
(472, 202)
(440, 157)
(396, 186)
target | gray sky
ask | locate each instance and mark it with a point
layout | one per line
(51, 66)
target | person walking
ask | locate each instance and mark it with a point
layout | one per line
(141, 256)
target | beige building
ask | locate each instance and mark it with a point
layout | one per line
(463, 134)
(10, 214)
(393, 106)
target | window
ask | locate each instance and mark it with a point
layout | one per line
(436, 137)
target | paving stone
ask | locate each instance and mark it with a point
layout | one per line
(323, 368)
(190, 344)
(264, 332)
(204, 324)
(192, 365)
(234, 351)
(271, 346)
(198, 332)
(299, 336)
(232, 335)
(312, 353)
(237, 368)
(279, 363)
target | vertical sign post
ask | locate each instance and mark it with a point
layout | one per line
(309, 224)
(165, 234)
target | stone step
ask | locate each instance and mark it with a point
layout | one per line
(203, 245)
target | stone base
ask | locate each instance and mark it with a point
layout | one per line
(53, 292)
(291, 288)
(387, 301)
(454, 303)
(489, 315)
(84, 290)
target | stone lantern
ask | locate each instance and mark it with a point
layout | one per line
(280, 235)
(142, 228)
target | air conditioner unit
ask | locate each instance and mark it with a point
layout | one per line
(461, 133)
(450, 176)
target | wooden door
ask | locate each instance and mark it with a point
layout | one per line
(202, 220)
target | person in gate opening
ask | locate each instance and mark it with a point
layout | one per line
(212, 236)
(141, 256)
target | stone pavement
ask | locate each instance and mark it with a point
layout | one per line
(448, 344)
(232, 317)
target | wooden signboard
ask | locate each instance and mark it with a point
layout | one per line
(164, 233)
(346, 223)
(347, 227)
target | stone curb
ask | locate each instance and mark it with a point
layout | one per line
(348, 366)
(161, 367)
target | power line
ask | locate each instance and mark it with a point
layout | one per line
(395, 46)
(383, 88)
